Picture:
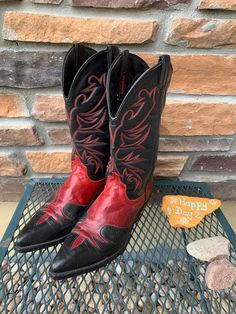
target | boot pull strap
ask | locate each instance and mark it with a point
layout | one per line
(124, 74)
(166, 73)
(166, 68)
(79, 54)
(112, 53)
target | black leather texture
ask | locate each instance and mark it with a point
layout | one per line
(135, 118)
(86, 256)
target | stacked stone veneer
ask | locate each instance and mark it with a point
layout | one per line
(199, 122)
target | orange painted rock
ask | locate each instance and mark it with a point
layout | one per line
(185, 211)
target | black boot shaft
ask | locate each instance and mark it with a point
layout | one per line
(135, 112)
(84, 86)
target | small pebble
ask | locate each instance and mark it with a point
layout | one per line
(105, 275)
(162, 291)
(170, 263)
(101, 307)
(225, 306)
(72, 307)
(158, 278)
(83, 286)
(9, 286)
(168, 304)
(183, 307)
(92, 300)
(69, 295)
(165, 274)
(14, 268)
(174, 294)
(143, 271)
(141, 302)
(11, 306)
(202, 270)
(6, 278)
(39, 297)
(100, 288)
(129, 266)
(119, 269)
(4, 266)
(154, 297)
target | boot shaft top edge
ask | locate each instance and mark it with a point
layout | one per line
(159, 76)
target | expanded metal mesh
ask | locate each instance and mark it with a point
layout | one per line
(154, 275)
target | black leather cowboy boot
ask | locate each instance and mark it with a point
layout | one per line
(136, 97)
(83, 83)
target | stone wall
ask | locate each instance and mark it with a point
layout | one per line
(198, 128)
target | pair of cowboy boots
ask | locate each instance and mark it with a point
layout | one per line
(114, 103)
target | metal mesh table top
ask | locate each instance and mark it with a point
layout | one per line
(155, 274)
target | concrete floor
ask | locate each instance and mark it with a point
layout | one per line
(7, 209)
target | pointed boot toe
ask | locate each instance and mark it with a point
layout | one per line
(88, 248)
(66, 263)
(23, 240)
(35, 236)
(59, 265)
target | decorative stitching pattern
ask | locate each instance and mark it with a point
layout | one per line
(87, 122)
(129, 137)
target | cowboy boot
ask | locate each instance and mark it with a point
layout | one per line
(136, 97)
(83, 84)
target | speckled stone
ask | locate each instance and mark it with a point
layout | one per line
(220, 275)
(209, 248)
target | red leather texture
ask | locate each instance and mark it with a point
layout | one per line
(112, 207)
(77, 189)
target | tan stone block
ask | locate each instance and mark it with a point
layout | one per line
(11, 165)
(50, 162)
(193, 74)
(12, 106)
(195, 144)
(150, 58)
(47, 1)
(59, 136)
(202, 33)
(19, 135)
(49, 108)
(11, 189)
(185, 118)
(204, 74)
(34, 27)
(218, 5)
(170, 166)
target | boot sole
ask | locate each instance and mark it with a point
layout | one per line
(87, 269)
(35, 247)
